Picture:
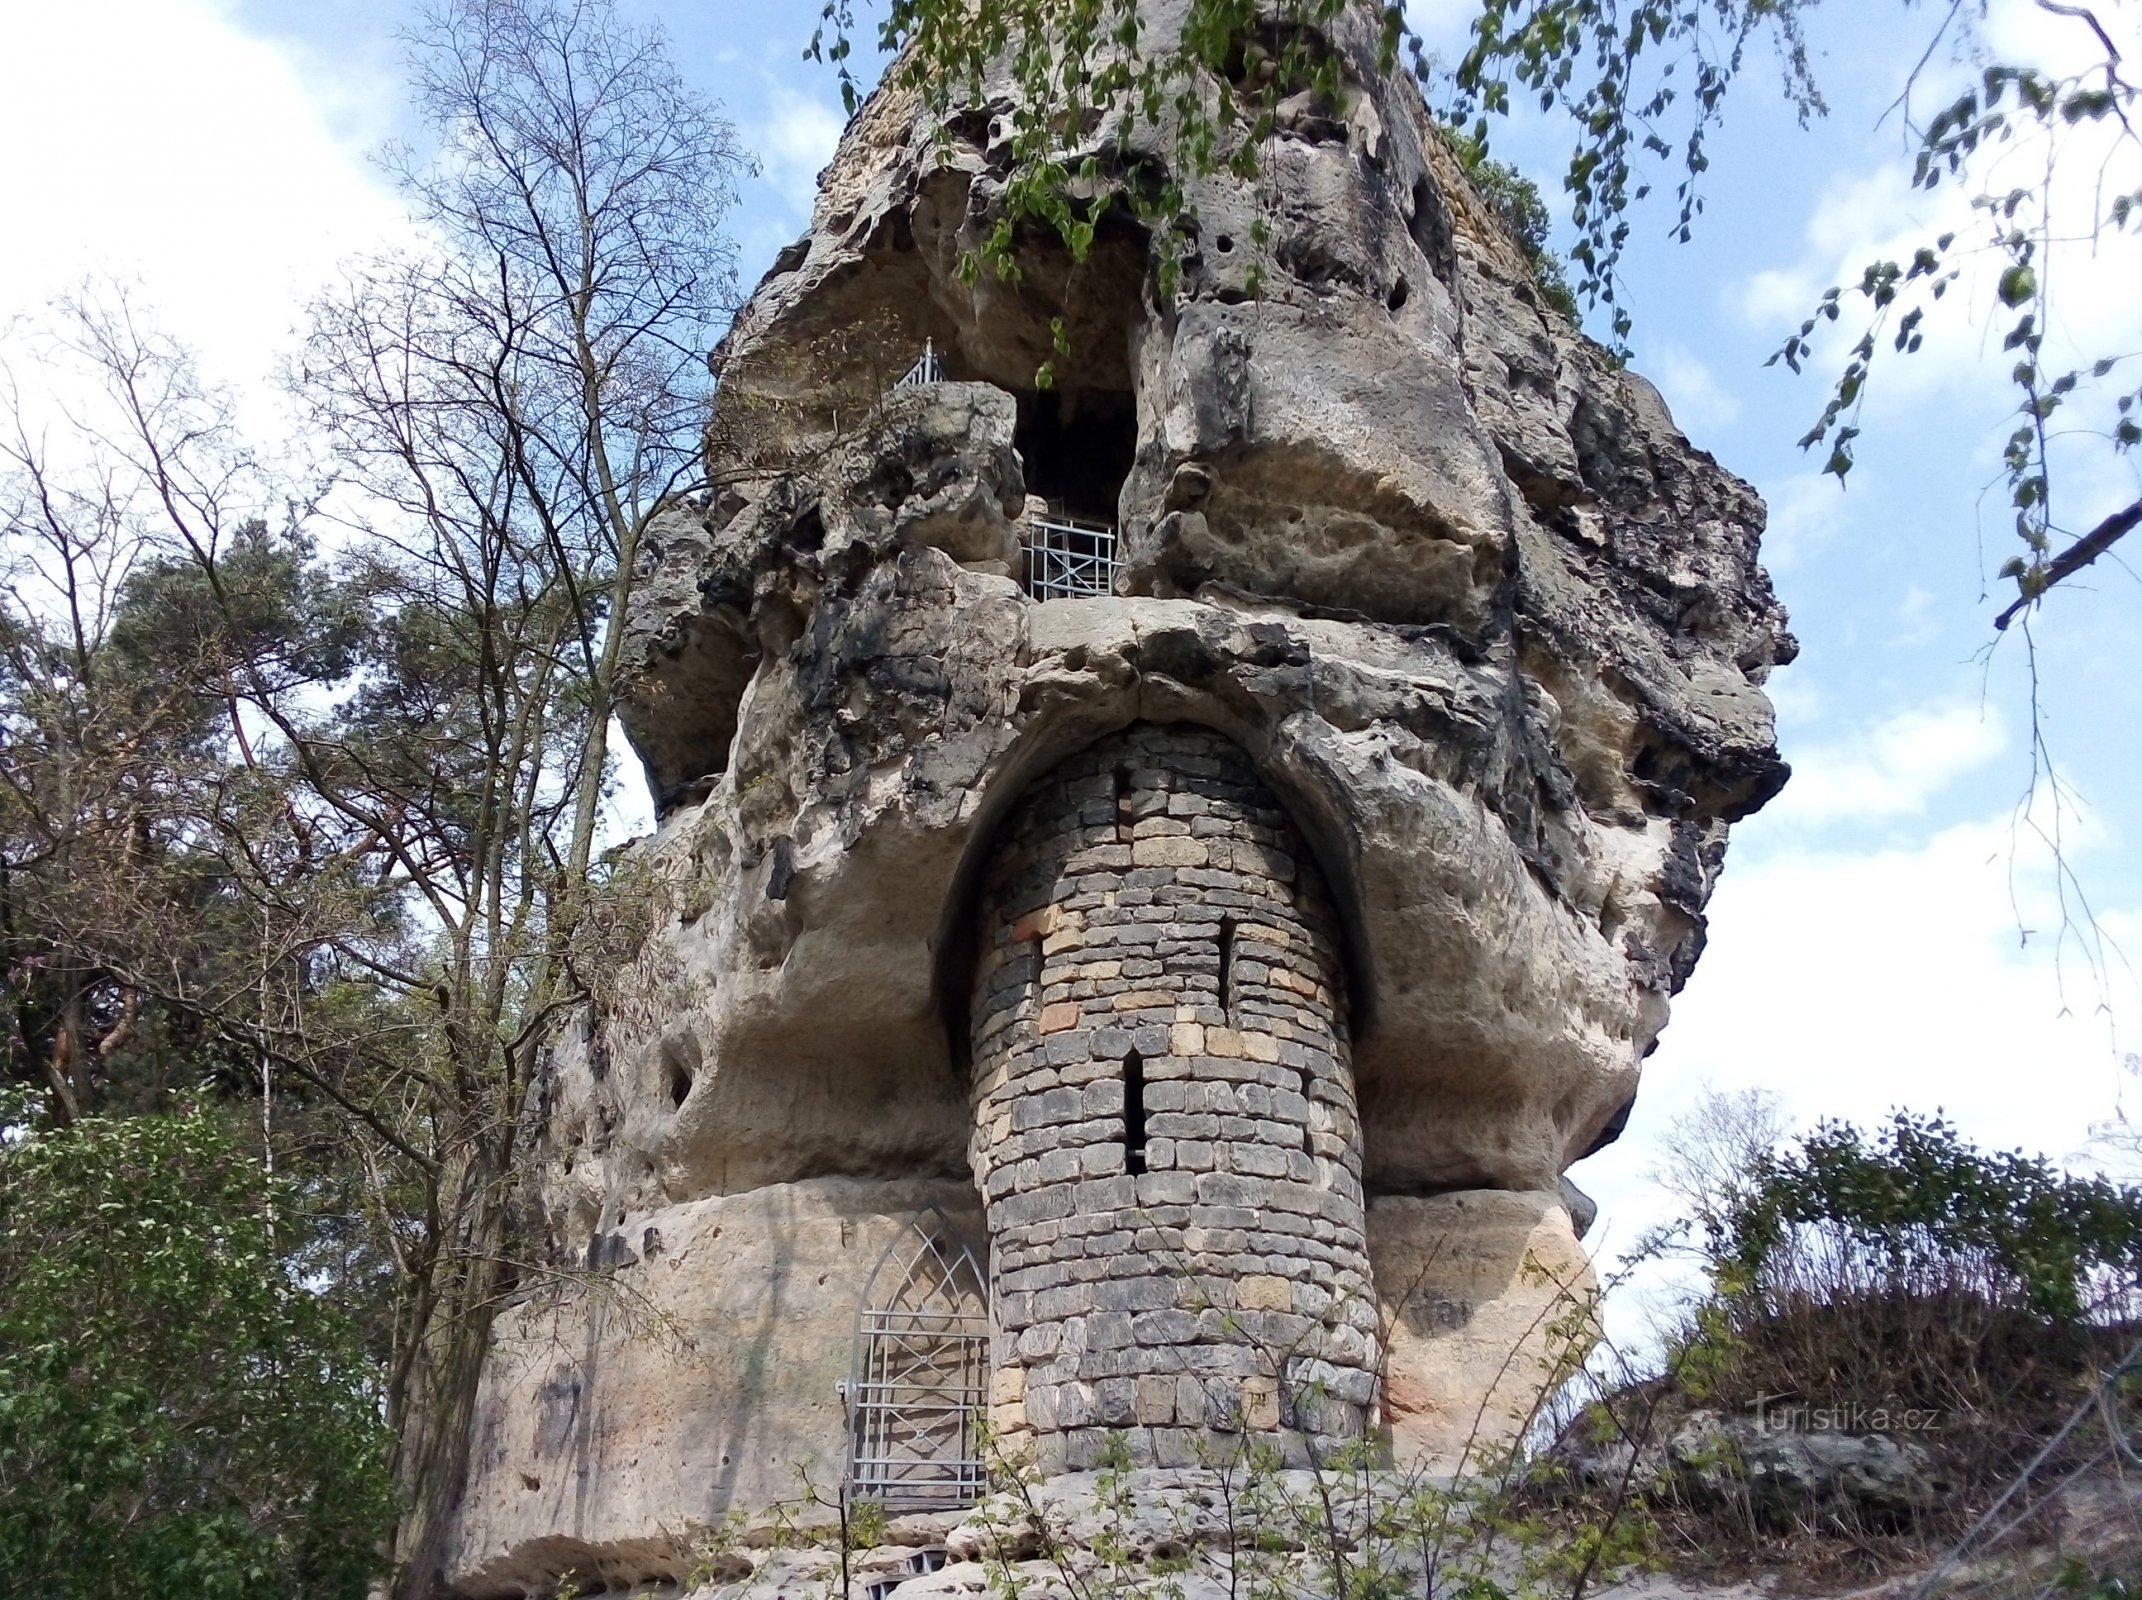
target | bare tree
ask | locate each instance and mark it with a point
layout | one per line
(341, 819)
(510, 410)
(1712, 1153)
(582, 190)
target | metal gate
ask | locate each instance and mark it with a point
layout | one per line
(921, 1373)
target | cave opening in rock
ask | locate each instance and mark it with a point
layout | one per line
(1077, 446)
(678, 1073)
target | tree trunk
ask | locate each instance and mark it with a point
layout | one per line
(431, 1453)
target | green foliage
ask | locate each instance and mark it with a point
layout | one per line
(1638, 82)
(1903, 1280)
(1237, 71)
(1917, 1208)
(2014, 230)
(2077, 1578)
(866, 1524)
(179, 1413)
(322, 835)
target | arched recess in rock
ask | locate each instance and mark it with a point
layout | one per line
(832, 340)
(1164, 1127)
(1312, 797)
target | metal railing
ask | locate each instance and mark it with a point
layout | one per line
(927, 369)
(1067, 559)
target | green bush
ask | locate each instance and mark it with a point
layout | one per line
(179, 1413)
(1906, 1273)
(1917, 1210)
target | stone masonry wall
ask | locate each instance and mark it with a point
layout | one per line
(1165, 1132)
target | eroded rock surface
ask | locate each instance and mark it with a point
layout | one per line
(1488, 628)
(1487, 1296)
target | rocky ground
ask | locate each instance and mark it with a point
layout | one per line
(1291, 1535)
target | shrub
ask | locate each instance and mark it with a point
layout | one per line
(1918, 1211)
(1858, 1278)
(179, 1413)
(1515, 199)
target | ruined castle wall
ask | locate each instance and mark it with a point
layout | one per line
(1165, 1133)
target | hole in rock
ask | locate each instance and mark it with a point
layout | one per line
(1400, 293)
(1225, 244)
(1077, 446)
(679, 1076)
(1431, 228)
(1134, 1113)
(1125, 822)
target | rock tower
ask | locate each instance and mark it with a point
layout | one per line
(1158, 873)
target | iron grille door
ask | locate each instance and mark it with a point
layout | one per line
(921, 1373)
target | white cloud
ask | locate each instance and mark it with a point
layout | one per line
(1917, 619)
(1876, 215)
(1807, 513)
(157, 140)
(796, 141)
(1700, 403)
(2028, 31)
(1854, 213)
(1796, 696)
(1890, 770)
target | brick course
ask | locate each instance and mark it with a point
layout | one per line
(1152, 929)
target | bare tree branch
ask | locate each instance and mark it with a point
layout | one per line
(2073, 559)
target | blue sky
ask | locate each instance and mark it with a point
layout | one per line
(1867, 944)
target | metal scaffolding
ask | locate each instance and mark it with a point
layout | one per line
(1067, 559)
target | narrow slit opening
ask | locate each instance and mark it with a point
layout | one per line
(1123, 816)
(1134, 1113)
(1227, 967)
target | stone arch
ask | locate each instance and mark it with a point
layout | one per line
(1312, 799)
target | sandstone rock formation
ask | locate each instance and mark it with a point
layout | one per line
(1481, 632)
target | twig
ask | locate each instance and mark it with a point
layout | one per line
(2077, 556)
(2022, 1479)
